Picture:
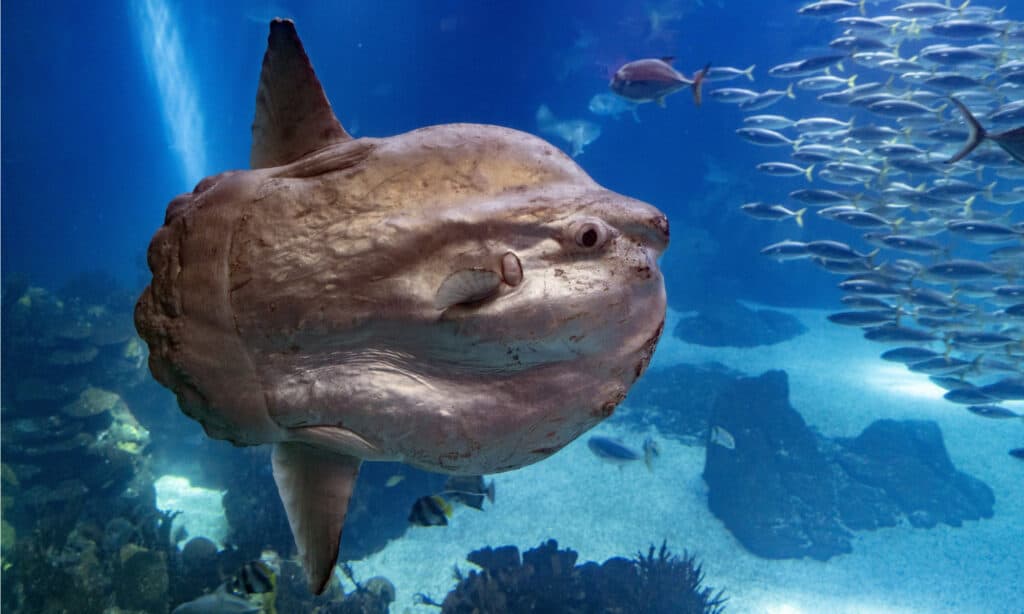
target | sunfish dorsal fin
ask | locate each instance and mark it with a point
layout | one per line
(293, 116)
(315, 486)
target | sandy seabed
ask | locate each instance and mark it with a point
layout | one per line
(839, 385)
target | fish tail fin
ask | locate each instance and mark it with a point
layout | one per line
(749, 72)
(789, 91)
(897, 223)
(850, 82)
(490, 491)
(975, 135)
(443, 504)
(808, 173)
(969, 206)
(863, 9)
(799, 217)
(698, 81)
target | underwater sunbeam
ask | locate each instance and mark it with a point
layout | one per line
(161, 44)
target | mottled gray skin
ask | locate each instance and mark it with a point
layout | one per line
(298, 303)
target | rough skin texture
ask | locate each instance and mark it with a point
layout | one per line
(303, 296)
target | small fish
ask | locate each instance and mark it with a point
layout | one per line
(869, 287)
(721, 437)
(765, 211)
(430, 511)
(576, 132)
(652, 79)
(816, 197)
(1017, 453)
(834, 250)
(394, 480)
(769, 122)
(651, 451)
(941, 365)
(825, 82)
(612, 450)
(872, 317)
(766, 99)
(968, 396)
(913, 245)
(1009, 389)
(992, 411)
(827, 8)
(894, 333)
(761, 136)
(908, 355)
(786, 250)
(732, 95)
(219, 601)
(959, 270)
(786, 169)
(255, 577)
(610, 105)
(728, 73)
(469, 490)
(803, 68)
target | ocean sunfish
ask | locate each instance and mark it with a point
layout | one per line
(463, 298)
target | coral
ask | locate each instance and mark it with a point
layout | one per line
(76, 481)
(669, 583)
(548, 580)
(141, 582)
(93, 401)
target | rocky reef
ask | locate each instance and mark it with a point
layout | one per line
(786, 491)
(547, 579)
(730, 323)
(676, 400)
(81, 529)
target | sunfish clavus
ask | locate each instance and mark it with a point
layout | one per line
(462, 298)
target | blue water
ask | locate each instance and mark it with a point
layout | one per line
(101, 129)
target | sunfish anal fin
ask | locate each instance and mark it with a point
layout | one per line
(315, 486)
(293, 116)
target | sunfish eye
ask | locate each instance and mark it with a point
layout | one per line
(591, 234)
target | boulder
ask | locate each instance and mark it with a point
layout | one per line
(785, 491)
(774, 490)
(735, 325)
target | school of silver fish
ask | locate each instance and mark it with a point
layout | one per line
(916, 151)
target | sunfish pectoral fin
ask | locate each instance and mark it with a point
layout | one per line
(293, 116)
(466, 286)
(315, 486)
